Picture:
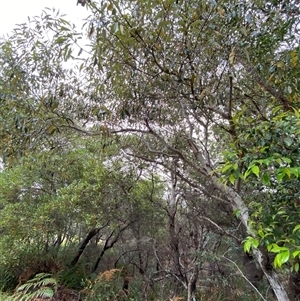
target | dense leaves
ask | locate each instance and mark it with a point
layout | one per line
(271, 166)
(187, 111)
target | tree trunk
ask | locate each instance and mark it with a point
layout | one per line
(83, 244)
(238, 204)
(109, 243)
(192, 282)
(174, 242)
(271, 275)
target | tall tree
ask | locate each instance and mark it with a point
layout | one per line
(181, 72)
(185, 78)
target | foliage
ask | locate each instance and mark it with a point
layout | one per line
(271, 165)
(3, 296)
(180, 113)
(74, 277)
(41, 286)
(144, 44)
(50, 202)
(105, 286)
(8, 280)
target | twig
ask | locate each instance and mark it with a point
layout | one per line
(242, 274)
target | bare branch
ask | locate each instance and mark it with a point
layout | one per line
(219, 228)
(242, 274)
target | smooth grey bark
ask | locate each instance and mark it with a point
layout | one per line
(237, 203)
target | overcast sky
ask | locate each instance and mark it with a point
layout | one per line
(16, 11)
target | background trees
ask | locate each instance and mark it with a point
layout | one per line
(187, 112)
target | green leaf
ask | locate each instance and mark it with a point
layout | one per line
(286, 160)
(247, 246)
(285, 256)
(226, 167)
(288, 141)
(266, 179)
(261, 233)
(280, 176)
(296, 253)
(255, 170)
(297, 113)
(295, 171)
(247, 173)
(237, 213)
(277, 262)
(296, 228)
(255, 243)
(232, 179)
(281, 258)
(250, 242)
(274, 248)
(60, 40)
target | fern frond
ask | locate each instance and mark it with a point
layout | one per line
(45, 292)
(48, 282)
(39, 277)
(41, 286)
(25, 287)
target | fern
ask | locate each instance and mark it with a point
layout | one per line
(41, 286)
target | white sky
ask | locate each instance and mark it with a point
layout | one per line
(16, 11)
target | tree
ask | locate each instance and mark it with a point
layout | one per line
(186, 79)
(272, 164)
(179, 70)
(51, 201)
